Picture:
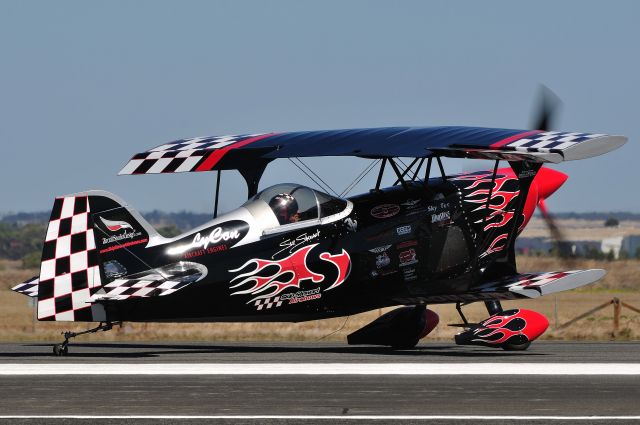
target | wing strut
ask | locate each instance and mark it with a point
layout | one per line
(397, 171)
(380, 173)
(215, 203)
(252, 176)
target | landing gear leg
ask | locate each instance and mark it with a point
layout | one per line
(63, 348)
(493, 307)
(459, 308)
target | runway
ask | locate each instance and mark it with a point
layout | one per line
(274, 383)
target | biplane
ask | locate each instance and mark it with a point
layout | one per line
(293, 253)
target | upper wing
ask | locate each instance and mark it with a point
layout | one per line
(232, 152)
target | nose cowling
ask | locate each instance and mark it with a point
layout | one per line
(548, 181)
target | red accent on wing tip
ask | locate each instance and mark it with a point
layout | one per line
(215, 156)
(514, 138)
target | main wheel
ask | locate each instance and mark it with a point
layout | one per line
(60, 350)
(516, 347)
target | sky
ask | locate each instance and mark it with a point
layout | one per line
(84, 85)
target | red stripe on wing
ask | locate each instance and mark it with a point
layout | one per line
(514, 138)
(215, 156)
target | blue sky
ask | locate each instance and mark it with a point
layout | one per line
(84, 85)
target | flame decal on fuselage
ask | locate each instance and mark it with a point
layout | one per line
(477, 191)
(287, 273)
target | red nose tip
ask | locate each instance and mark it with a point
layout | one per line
(548, 181)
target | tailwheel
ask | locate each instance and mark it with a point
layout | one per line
(63, 348)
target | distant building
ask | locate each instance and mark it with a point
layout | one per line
(581, 248)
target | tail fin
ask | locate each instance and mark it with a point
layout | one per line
(85, 230)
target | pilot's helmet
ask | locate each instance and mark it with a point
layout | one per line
(284, 206)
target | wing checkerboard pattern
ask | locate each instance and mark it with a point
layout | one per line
(69, 270)
(531, 280)
(549, 141)
(184, 155)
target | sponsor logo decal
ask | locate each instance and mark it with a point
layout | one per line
(385, 210)
(121, 240)
(290, 245)
(293, 298)
(122, 245)
(407, 257)
(409, 274)
(302, 296)
(269, 278)
(382, 260)
(115, 225)
(440, 217)
(406, 244)
(403, 230)
(380, 249)
(219, 238)
(524, 174)
(411, 203)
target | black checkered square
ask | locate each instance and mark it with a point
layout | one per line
(69, 272)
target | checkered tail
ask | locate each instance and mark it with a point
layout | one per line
(69, 272)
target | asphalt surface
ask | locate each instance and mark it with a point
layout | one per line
(310, 352)
(556, 395)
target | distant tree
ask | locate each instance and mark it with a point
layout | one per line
(610, 255)
(611, 222)
(32, 260)
(594, 254)
(623, 255)
(169, 231)
(637, 253)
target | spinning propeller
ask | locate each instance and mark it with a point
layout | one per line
(544, 117)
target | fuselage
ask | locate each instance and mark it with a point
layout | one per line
(399, 245)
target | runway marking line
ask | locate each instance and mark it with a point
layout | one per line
(335, 417)
(412, 369)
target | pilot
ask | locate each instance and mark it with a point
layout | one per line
(285, 207)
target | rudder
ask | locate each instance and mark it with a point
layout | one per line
(85, 230)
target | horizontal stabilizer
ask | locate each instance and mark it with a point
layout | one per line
(29, 287)
(151, 283)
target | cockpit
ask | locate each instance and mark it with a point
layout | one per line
(293, 205)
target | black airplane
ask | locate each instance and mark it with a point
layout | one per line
(292, 253)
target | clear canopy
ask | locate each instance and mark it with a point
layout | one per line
(291, 203)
